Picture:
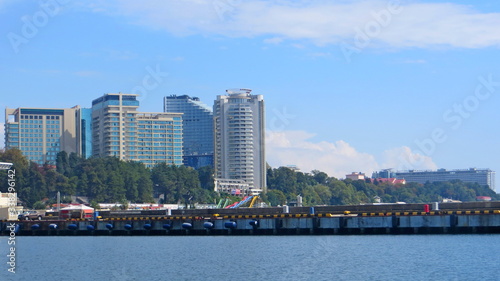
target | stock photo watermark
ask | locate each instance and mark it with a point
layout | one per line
(372, 29)
(454, 117)
(150, 82)
(122, 275)
(32, 24)
(11, 226)
(278, 123)
(280, 120)
(225, 8)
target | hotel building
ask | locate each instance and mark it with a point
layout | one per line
(239, 151)
(119, 130)
(40, 133)
(480, 176)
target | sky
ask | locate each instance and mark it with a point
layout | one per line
(349, 86)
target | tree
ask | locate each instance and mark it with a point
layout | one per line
(73, 161)
(83, 184)
(96, 188)
(39, 205)
(319, 176)
(175, 182)
(342, 193)
(324, 193)
(131, 187)
(115, 191)
(21, 167)
(206, 177)
(123, 204)
(276, 197)
(62, 163)
(94, 204)
(283, 179)
(311, 197)
(111, 180)
(144, 189)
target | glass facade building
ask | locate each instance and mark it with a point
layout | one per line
(84, 131)
(197, 124)
(40, 133)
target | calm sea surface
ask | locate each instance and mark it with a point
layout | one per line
(383, 257)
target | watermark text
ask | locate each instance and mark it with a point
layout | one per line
(11, 227)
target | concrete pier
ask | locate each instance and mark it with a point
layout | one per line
(442, 222)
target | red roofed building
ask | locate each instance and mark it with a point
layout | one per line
(393, 181)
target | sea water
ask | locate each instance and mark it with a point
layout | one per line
(376, 257)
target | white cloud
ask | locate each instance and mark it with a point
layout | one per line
(335, 158)
(274, 40)
(403, 158)
(414, 24)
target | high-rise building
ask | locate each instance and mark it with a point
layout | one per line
(84, 131)
(159, 139)
(40, 133)
(197, 129)
(112, 114)
(385, 174)
(119, 130)
(480, 176)
(239, 151)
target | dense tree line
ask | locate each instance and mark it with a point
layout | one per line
(105, 180)
(114, 181)
(317, 188)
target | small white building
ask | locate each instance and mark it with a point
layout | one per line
(8, 206)
(356, 176)
(235, 187)
(8, 201)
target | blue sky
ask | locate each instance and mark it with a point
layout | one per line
(349, 85)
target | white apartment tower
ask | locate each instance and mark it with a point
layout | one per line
(239, 149)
